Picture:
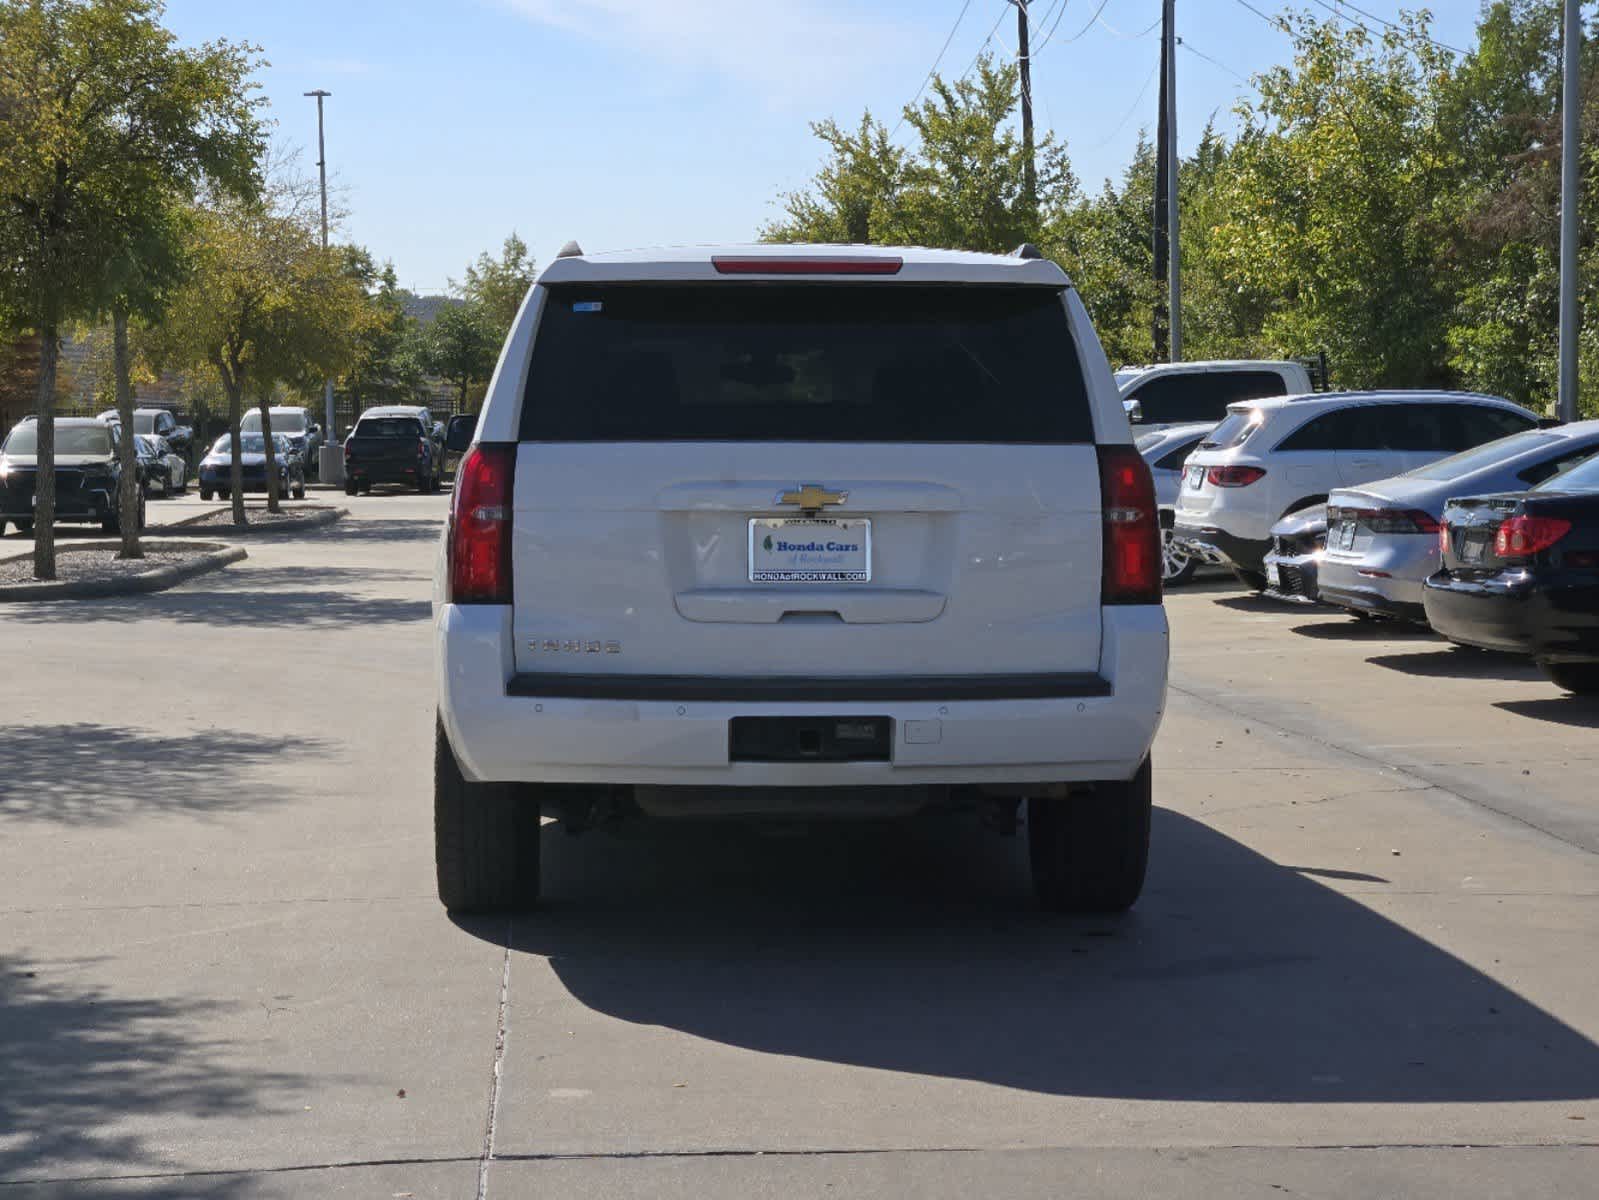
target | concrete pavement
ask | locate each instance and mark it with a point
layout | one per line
(1363, 965)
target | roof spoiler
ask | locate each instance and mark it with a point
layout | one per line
(1027, 250)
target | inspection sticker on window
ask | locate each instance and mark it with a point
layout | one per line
(587, 306)
(810, 550)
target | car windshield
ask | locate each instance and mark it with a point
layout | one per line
(284, 420)
(70, 439)
(1582, 476)
(144, 422)
(250, 443)
(1485, 455)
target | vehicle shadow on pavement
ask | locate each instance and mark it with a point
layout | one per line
(1581, 712)
(240, 601)
(1351, 629)
(1454, 662)
(84, 774)
(384, 529)
(89, 1078)
(917, 949)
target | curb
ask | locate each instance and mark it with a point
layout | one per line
(316, 520)
(147, 581)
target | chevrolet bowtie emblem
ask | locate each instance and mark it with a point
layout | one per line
(812, 496)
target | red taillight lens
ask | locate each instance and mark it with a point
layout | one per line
(421, 448)
(1443, 539)
(1394, 520)
(347, 454)
(480, 525)
(1521, 536)
(880, 265)
(1131, 572)
(1234, 476)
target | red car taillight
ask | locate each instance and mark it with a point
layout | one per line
(421, 448)
(348, 455)
(1443, 539)
(480, 525)
(1394, 520)
(1522, 536)
(1234, 476)
(1131, 572)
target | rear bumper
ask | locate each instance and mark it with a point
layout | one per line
(994, 730)
(77, 504)
(1217, 546)
(1298, 577)
(1555, 617)
(384, 472)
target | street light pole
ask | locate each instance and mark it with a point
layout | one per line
(1570, 155)
(330, 462)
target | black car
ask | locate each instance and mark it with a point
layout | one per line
(391, 445)
(1298, 542)
(1521, 573)
(87, 471)
(216, 468)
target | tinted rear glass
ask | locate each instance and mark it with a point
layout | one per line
(1235, 427)
(1201, 395)
(1584, 477)
(821, 363)
(388, 427)
(1487, 455)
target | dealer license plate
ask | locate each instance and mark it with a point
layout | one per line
(1196, 477)
(810, 550)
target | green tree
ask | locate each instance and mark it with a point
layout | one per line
(459, 346)
(852, 196)
(263, 304)
(497, 286)
(380, 370)
(102, 118)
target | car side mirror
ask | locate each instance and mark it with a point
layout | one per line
(315, 428)
(458, 437)
(1135, 411)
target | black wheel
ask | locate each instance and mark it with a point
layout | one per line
(299, 492)
(1089, 851)
(1177, 566)
(366, 487)
(438, 484)
(222, 493)
(485, 839)
(1255, 581)
(24, 526)
(350, 487)
(424, 484)
(205, 493)
(1580, 678)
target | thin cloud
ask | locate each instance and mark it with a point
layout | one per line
(791, 50)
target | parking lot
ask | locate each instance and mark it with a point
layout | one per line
(1363, 965)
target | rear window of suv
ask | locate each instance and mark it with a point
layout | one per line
(815, 363)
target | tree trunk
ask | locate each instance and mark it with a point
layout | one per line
(44, 508)
(271, 455)
(127, 451)
(235, 390)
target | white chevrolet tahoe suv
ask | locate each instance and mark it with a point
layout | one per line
(800, 530)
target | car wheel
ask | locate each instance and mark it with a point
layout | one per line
(485, 839)
(1255, 581)
(299, 492)
(424, 484)
(350, 487)
(438, 484)
(1177, 566)
(205, 493)
(1580, 678)
(1089, 852)
(24, 526)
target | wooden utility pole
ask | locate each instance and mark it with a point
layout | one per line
(1162, 213)
(1570, 181)
(1025, 62)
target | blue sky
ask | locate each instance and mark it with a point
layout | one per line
(641, 122)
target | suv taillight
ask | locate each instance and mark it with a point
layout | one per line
(1131, 573)
(1234, 476)
(1523, 536)
(480, 525)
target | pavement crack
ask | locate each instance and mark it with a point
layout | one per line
(487, 1155)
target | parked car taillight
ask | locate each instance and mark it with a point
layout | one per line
(1131, 572)
(349, 455)
(421, 448)
(480, 525)
(1443, 538)
(1234, 476)
(1394, 520)
(1524, 535)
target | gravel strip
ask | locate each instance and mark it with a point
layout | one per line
(73, 565)
(259, 518)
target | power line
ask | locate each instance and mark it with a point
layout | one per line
(1275, 22)
(1390, 24)
(1002, 14)
(1131, 109)
(1114, 32)
(961, 16)
(1075, 36)
(1215, 62)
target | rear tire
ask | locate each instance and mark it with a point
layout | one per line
(350, 487)
(1177, 565)
(1579, 678)
(485, 839)
(1089, 852)
(205, 493)
(299, 492)
(1255, 581)
(24, 526)
(424, 484)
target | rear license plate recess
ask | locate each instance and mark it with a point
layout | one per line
(810, 739)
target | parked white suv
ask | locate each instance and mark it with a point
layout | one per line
(800, 531)
(1273, 457)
